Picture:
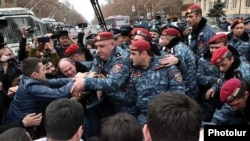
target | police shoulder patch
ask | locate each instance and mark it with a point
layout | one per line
(177, 75)
(117, 68)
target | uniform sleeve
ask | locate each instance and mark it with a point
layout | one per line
(182, 65)
(227, 116)
(94, 65)
(118, 75)
(202, 79)
(175, 80)
(208, 33)
(127, 95)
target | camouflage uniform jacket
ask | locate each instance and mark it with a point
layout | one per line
(187, 61)
(200, 37)
(152, 81)
(116, 84)
(242, 45)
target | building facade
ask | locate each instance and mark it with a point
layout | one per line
(233, 8)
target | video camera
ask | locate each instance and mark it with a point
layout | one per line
(43, 39)
(12, 61)
(30, 29)
(58, 35)
(82, 25)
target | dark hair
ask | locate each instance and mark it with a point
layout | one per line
(86, 52)
(63, 117)
(121, 127)
(174, 117)
(46, 60)
(198, 11)
(15, 134)
(30, 65)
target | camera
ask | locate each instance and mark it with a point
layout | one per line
(82, 25)
(63, 33)
(12, 61)
(43, 39)
(60, 34)
(55, 36)
(30, 29)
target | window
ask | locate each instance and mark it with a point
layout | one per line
(247, 4)
(210, 5)
(234, 3)
(226, 3)
(205, 4)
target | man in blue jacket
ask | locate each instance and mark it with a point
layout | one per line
(35, 90)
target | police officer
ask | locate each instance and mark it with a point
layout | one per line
(112, 62)
(201, 31)
(235, 93)
(150, 78)
(117, 36)
(178, 53)
(125, 33)
(239, 39)
(155, 32)
(89, 41)
(184, 30)
(230, 66)
(141, 33)
(247, 25)
(207, 75)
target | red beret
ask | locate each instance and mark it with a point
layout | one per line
(170, 32)
(192, 8)
(219, 54)
(133, 31)
(236, 22)
(218, 38)
(71, 49)
(140, 45)
(230, 89)
(143, 32)
(104, 36)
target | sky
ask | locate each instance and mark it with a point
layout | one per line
(85, 8)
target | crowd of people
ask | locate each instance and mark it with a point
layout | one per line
(133, 83)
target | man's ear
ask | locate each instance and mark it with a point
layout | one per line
(79, 132)
(33, 75)
(246, 94)
(146, 133)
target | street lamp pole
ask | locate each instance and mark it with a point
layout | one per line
(239, 8)
(180, 3)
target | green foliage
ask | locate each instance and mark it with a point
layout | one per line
(217, 10)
